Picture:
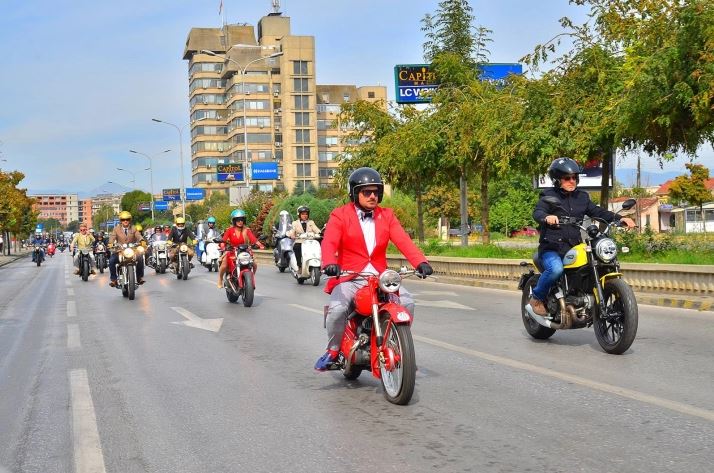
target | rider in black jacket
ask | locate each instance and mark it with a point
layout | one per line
(556, 240)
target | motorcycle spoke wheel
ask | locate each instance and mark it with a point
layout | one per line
(398, 383)
(616, 329)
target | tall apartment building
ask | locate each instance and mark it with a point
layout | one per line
(62, 207)
(85, 212)
(255, 104)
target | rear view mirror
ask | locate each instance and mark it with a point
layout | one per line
(628, 204)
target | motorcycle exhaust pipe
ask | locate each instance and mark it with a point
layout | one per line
(566, 316)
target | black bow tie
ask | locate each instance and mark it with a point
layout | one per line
(366, 215)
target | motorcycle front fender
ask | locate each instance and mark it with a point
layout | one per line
(240, 277)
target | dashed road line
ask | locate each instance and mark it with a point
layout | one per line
(70, 292)
(71, 309)
(73, 342)
(88, 455)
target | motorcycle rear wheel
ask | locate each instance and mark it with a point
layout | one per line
(533, 328)
(232, 296)
(248, 289)
(100, 265)
(399, 383)
(617, 330)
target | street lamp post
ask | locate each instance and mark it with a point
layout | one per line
(243, 70)
(183, 187)
(151, 175)
(133, 176)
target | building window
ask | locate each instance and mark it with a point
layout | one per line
(302, 118)
(326, 125)
(302, 153)
(302, 102)
(303, 170)
(370, 95)
(300, 68)
(346, 97)
(327, 172)
(302, 136)
(300, 85)
(327, 140)
(327, 156)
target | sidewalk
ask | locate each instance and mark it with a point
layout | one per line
(9, 259)
(682, 301)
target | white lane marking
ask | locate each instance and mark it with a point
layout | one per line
(309, 309)
(88, 456)
(73, 342)
(607, 388)
(193, 320)
(442, 304)
(71, 309)
(70, 291)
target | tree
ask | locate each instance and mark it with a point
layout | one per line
(130, 202)
(692, 189)
(73, 226)
(513, 200)
(103, 214)
(17, 214)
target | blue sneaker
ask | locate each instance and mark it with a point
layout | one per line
(325, 361)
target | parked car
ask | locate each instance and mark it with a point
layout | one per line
(525, 231)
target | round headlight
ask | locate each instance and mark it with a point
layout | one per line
(140, 249)
(390, 281)
(183, 247)
(606, 250)
(244, 258)
(128, 253)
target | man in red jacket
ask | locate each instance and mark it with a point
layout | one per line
(356, 239)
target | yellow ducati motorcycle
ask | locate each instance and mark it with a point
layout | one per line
(591, 291)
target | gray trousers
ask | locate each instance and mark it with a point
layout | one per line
(91, 260)
(339, 304)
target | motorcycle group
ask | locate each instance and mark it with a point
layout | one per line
(369, 313)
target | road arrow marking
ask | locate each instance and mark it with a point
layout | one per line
(442, 304)
(212, 325)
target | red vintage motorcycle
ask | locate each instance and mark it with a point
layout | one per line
(239, 280)
(51, 249)
(378, 336)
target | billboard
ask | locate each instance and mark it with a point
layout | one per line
(171, 194)
(229, 172)
(589, 178)
(264, 171)
(161, 205)
(413, 83)
(195, 193)
(144, 206)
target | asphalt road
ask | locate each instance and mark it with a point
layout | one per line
(90, 381)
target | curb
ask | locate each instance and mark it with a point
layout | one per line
(12, 259)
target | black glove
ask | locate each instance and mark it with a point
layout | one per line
(424, 269)
(332, 269)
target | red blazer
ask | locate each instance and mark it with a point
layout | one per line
(344, 242)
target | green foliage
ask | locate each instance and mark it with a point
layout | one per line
(73, 226)
(320, 210)
(130, 202)
(50, 223)
(513, 203)
(691, 189)
(404, 207)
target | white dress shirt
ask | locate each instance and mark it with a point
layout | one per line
(370, 238)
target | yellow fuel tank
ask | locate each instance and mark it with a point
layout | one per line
(576, 257)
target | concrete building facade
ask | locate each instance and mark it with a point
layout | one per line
(62, 207)
(256, 108)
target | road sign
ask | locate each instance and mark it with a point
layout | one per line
(172, 194)
(144, 206)
(161, 205)
(499, 71)
(264, 171)
(229, 172)
(195, 193)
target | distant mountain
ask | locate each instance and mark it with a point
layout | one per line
(628, 177)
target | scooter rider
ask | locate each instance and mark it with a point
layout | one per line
(356, 240)
(122, 234)
(83, 241)
(302, 225)
(238, 234)
(37, 240)
(556, 240)
(180, 234)
(212, 232)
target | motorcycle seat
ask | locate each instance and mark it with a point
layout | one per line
(538, 262)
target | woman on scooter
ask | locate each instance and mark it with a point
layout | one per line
(238, 234)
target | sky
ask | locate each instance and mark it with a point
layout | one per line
(82, 79)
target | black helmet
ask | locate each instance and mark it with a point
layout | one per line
(562, 167)
(364, 177)
(303, 208)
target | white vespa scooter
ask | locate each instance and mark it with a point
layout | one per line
(211, 255)
(311, 260)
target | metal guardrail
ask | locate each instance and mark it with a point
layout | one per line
(664, 278)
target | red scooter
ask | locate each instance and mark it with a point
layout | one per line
(378, 336)
(239, 280)
(51, 248)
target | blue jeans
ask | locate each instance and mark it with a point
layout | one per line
(552, 270)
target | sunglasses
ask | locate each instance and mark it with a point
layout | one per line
(369, 192)
(571, 177)
(124, 219)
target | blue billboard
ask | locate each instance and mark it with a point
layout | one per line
(264, 171)
(414, 83)
(229, 172)
(195, 193)
(172, 194)
(161, 205)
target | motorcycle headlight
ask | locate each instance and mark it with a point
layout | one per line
(128, 253)
(183, 248)
(606, 250)
(244, 258)
(390, 281)
(140, 250)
